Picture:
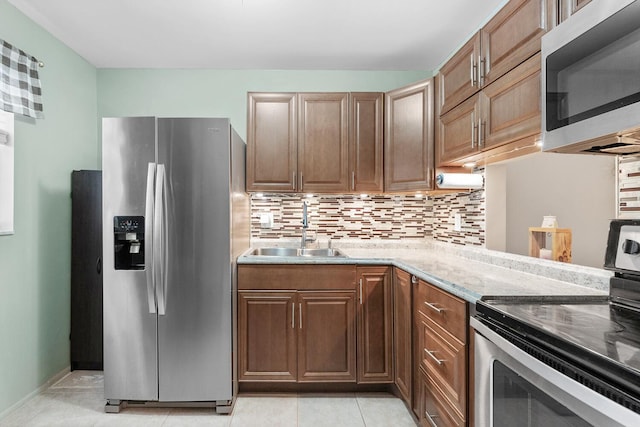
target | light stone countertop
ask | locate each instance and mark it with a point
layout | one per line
(469, 273)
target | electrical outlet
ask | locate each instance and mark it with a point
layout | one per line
(457, 222)
(266, 220)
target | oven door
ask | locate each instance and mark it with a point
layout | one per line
(513, 388)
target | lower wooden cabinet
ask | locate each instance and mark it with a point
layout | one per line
(326, 336)
(434, 409)
(267, 338)
(296, 323)
(365, 325)
(445, 359)
(301, 336)
(441, 325)
(375, 325)
(402, 337)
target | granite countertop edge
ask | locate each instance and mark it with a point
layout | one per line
(493, 277)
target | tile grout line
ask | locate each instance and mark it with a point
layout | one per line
(364, 422)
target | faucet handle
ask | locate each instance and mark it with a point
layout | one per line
(329, 244)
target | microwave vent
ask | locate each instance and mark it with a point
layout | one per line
(625, 144)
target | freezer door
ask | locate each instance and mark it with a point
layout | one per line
(194, 333)
(130, 329)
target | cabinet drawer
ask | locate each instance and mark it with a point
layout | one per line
(434, 409)
(446, 310)
(444, 358)
(297, 277)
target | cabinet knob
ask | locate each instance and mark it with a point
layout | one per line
(414, 280)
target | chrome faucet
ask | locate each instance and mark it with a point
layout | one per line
(305, 226)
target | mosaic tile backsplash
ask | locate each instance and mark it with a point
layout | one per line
(388, 217)
(471, 207)
(343, 217)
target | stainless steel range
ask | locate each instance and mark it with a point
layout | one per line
(564, 362)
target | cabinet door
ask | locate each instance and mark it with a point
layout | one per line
(323, 150)
(366, 141)
(271, 142)
(512, 36)
(86, 270)
(569, 7)
(402, 333)
(267, 344)
(408, 145)
(458, 132)
(458, 78)
(512, 106)
(374, 325)
(327, 336)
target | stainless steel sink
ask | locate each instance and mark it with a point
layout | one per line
(316, 252)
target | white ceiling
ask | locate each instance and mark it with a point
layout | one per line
(262, 34)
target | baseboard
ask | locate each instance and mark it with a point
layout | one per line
(57, 377)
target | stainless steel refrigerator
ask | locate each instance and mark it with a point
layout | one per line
(175, 217)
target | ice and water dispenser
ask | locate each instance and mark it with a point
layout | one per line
(128, 240)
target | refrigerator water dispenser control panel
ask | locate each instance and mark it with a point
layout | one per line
(128, 239)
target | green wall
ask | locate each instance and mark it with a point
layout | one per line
(223, 93)
(35, 261)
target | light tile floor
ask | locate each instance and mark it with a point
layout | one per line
(77, 400)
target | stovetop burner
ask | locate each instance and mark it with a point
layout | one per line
(601, 340)
(604, 330)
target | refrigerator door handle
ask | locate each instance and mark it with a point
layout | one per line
(160, 224)
(149, 234)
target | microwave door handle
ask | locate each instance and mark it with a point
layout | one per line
(160, 235)
(149, 238)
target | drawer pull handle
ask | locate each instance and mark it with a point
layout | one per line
(434, 307)
(435, 359)
(430, 418)
(300, 313)
(293, 315)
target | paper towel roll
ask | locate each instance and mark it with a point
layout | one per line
(459, 180)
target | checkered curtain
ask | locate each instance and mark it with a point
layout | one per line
(20, 90)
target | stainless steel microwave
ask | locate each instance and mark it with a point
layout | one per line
(591, 80)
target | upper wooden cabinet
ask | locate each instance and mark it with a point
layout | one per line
(458, 78)
(505, 112)
(512, 36)
(323, 152)
(508, 39)
(567, 8)
(272, 142)
(315, 142)
(408, 144)
(366, 115)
